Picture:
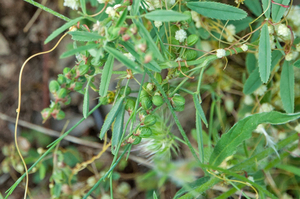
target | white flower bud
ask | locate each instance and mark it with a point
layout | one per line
(221, 53)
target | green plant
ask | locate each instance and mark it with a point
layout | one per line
(176, 50)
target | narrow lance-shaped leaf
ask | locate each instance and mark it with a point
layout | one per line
(191, 185)
(266, 4)
(122, 58)
(297, 63)
(83, 6)
(135, 7)
(278, 10)
(146, 35)
(117, 129)
(264, 54)
(289, 168)
(254, 6)
(78, 50)
(122, 18)
(217, 10)
(287, 82)
(242, 130)
(199, 109)
(61, 29)
(86, 99)
(111, 116)
(166, 16)
(254, 82)
(85, 36)
(106, 75)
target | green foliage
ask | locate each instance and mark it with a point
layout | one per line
(264, 54)
(166, 16)
(287, 82)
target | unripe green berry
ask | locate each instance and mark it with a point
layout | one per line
(82, 79)
(142, 115)
(144, 132)
(60, 115)
(158, 77)
(157, 100)
(83, 69)
(146, 103)
(54, 86)
(136, 140)
(149, 120)
(190, 54)
(127, 92)
(45, 113)
(179, 108)
(91, 70)
(192, 39)
(62, 93)
(61, 79)
(78, 86)
(143, 94)
(130, 104)
(178, 100)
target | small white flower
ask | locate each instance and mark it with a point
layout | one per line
(283, 30)
(198, 24)
(105, 196)
(110, 11)
(180, 35)
(221, 53)
(97, 27)
(271, 29)
(128, 8)
(297, 128)
(260, 129)
(244, 47)
(149, 6)
(261, 90)
(117, 6)
(195, 16)
(178, 59)
(104, 1)
(230, 29)
(251, 178)
(266, 107)
(123, 188)
(91, 181)
(171, 2)
(157, 24)
(150, 87)
(205, 45)
(298, 47)
(248, 100)
(247, 115)
(282, 136)
(130, 56)
(73, 4)
(289, 56)
(286, 196)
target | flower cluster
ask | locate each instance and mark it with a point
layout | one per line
(196, 18)
(73, 4)
(230, 32)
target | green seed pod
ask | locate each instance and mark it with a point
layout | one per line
(60, 115)
(83, 69)
(146, 103)
(178, 100)
(190, 54)
(61, 79)
(179, 108)
(62, 93)
(127, 92)
(82, 79)
(66, 70)
(142, 115)
(188, 13)
(145, 132)
(68, 100)
(78, 86)
(91, 70)
(113, 33)
(149, 120)
(54, 86)
(143, 94)
(158, 77)
(192, 39)
(130, 104)
(157, 100)
(45, 113)
(136, 140)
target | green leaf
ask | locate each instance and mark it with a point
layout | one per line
(199, 109)
(254, 6)
(264, 54)
(242, 130)
(217, 10)
(250, 62)
(78, 50)
(154, 195)
(266, 4)
(166, 16)
(122, 58)
(152, 65)
(289, 168)
(122, 18)
(191, 186)
(111, 116)
(86, 99)
(117, 129)
(146, 35)
(83, 6)
(61, 29)
(277, 10)
(135, 7)
(252, 83)
(241, 24)
(85, 36)
(297, 63)
(106, 75)
(287, 82)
